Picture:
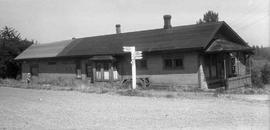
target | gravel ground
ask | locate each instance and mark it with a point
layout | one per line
(41, 109)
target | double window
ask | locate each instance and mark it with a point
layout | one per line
(173, 63)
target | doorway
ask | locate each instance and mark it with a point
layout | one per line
(103, 70)
(89, 72)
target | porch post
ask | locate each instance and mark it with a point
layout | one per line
(250, 67)
(225, 71)
(94, 72)
(111, 72)
(225, 75)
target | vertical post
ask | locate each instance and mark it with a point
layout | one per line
(133, 73)
(225, 72)
(133, 64)
(224, 65)
(134, 55)
(250, 67)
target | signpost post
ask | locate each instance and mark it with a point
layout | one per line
(135, 55)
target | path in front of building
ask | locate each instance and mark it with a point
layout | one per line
(41, 109)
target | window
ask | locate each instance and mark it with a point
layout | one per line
(168, 63)
(233, 65)
(173, 63)
(141, 64)
(178, 63)
(34, 69)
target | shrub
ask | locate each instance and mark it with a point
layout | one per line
(169, 96)
(265, 74)
(256, 78)
(219, 91)
(130, 92)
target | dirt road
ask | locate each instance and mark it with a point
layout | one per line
(41, 109)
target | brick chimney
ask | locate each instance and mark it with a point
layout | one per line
(167, 21)
(118, 28)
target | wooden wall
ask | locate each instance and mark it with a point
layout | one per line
(66, 68)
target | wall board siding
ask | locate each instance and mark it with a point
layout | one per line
(65, 68)
(155, 65)
(175, 79)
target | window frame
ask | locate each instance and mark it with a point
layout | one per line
(173, 63)
(32, 67)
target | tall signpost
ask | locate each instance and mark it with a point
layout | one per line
(135, 55)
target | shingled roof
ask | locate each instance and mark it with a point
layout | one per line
(44, 50)
(221, 45)
(196, 36)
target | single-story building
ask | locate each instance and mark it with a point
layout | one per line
(202, 55)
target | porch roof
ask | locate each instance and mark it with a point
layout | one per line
(221, 45)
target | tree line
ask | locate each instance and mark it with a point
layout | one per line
(11, 45)
(261, 52)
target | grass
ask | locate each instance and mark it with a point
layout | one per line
(171, 91)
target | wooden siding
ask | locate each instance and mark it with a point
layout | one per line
(155, 64)
(239, 81)
(66, 68)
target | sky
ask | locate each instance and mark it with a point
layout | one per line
(54, 20)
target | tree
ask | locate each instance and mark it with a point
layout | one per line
(256, 78)
(11, 45)
(209, 16)
(265, 71)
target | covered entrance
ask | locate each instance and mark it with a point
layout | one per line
(102, 69)
(227, 64)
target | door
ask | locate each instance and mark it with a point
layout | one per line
(99, 70)
(89, 72)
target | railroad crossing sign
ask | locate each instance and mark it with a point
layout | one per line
(135, 55)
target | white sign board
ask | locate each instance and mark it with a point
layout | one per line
(128, 48)
(135, 55)
(138, 53)
(138, 58)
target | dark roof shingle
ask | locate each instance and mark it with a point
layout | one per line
(180, 37)
(220, 45)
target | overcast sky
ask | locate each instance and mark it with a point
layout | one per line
(54, 20)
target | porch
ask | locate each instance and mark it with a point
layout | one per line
(102, 69)
(227, 64)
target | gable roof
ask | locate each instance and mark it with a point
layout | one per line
(44, 50)
(197, 36)
(221, 45)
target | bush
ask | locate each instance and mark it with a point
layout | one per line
(256, 78)
(265, 74)
(130, 92)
